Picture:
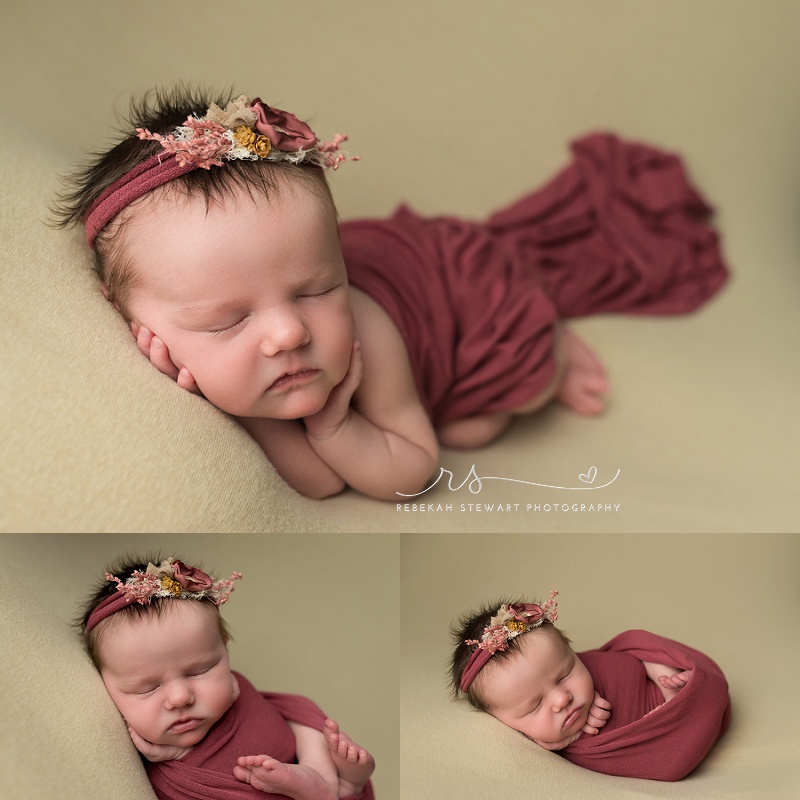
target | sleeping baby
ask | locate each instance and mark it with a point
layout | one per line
(640, 706)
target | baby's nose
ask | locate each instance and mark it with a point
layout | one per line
(178, 695)
(563, 699)
(286, 331)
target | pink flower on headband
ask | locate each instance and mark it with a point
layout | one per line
(191, 578)
(526, 612)
(283, 129)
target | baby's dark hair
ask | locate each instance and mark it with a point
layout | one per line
(123, 568)
(162, 111)
(470, 626)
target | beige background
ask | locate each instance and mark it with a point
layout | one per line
(734, 597)
(314, 615)
(455, 108)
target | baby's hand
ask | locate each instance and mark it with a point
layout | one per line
(157, 752)
(327, 421)
(156, 351)
(599, 713)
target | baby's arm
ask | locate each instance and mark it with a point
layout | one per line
(338, 446)
(383, 442)
(286, 445)
(669, 679)
(377, 454)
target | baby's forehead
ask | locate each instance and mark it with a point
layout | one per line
(535, 653)
(178, 615)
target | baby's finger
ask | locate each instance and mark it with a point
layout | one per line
(186, 381)
(355, 372)
(590, 729)
(598, 715)
(601, 702)
(141, 744)
(159, 357)
(143, 339)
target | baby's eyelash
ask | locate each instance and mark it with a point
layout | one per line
(229, 328)
(319, 294)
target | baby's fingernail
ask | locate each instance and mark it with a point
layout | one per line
(157, 343)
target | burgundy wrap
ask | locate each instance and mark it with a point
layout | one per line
(664, 745)
(256, 724)
(619, 230)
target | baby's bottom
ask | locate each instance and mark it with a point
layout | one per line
(579, 384)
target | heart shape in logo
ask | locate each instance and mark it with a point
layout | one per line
(589, 475)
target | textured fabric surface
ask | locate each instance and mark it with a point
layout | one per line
(477, 304)
(257, 724)
(646, 737)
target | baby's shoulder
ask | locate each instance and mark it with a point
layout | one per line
(387, 366)
(370, 317)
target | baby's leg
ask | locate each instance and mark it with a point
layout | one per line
(353, 762)
(579, 384)
(669, 679)
(580, 380)
(584, 381)
(670, 685)
(473, 431)
(293, 780)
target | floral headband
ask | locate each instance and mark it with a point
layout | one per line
(242, 131)
(509, 622)
(170, 578)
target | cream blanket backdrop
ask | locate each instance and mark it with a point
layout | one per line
(455, 108)
(314, 615)
(734, 597)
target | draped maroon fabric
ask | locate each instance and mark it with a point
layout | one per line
(619, 230)
(256, 724)
(646, 737)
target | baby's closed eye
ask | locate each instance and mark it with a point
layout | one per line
(228, 328)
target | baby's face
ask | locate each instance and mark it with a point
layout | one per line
(169, 676)
(543, 691)
(249, 295)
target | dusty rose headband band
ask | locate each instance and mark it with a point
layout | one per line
(155, 171)
(242, 131)
(171, 578)
(509, 621)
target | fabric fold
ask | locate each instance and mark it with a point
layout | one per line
(647, 737)
(620, 230)
(256, 724)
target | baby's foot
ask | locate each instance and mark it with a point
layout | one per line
(353, 762)
(584, 382)
(672, 684)
(293, 780)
